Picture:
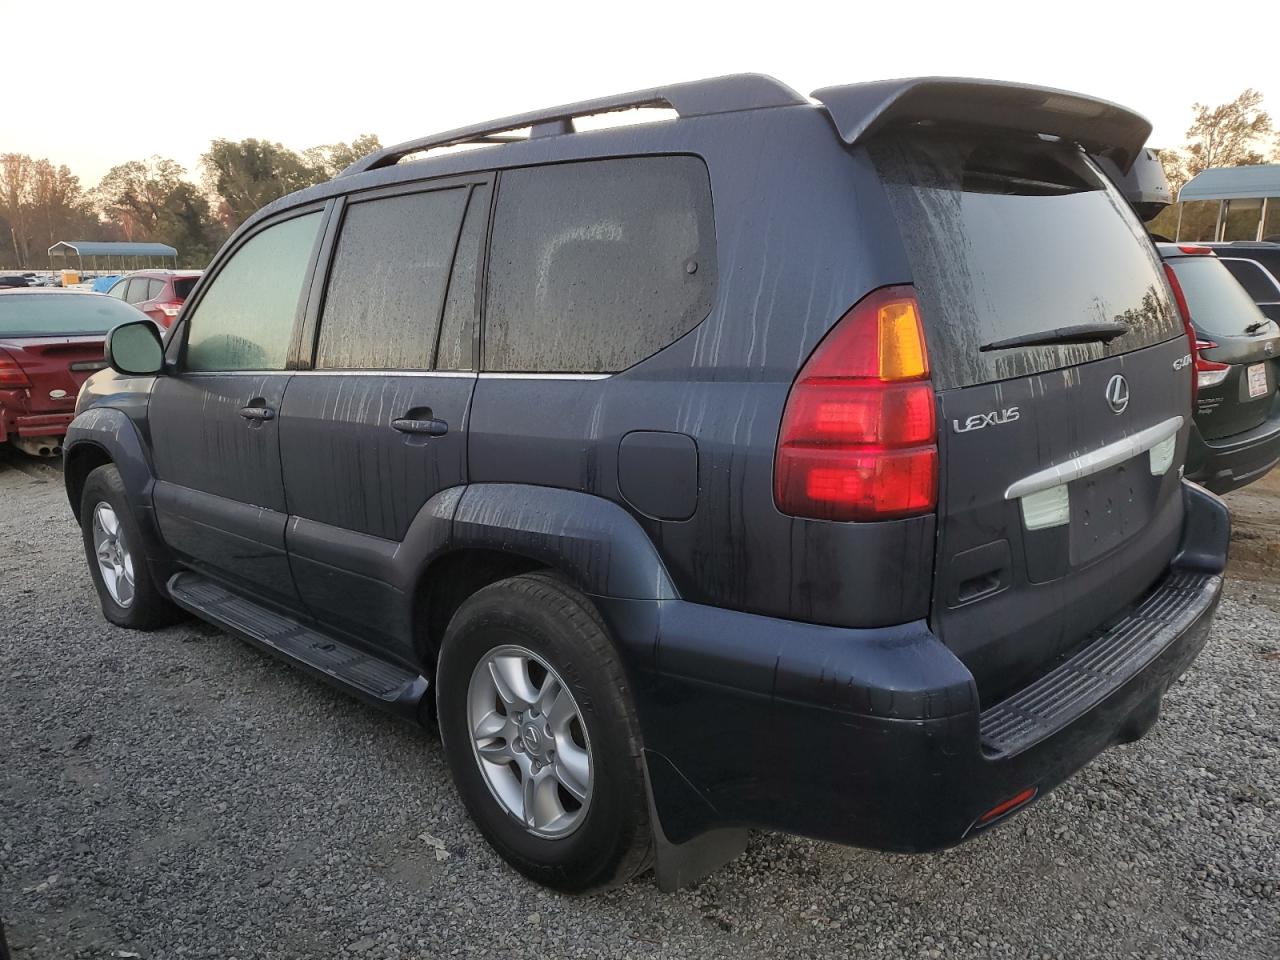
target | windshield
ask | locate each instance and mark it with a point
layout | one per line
(1015, 237)
(1218, 304)
(54, 314)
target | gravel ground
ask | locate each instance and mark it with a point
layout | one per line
(177, 794)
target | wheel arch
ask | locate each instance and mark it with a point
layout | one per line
(500, 530)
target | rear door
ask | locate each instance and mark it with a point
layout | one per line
(378, 425)
(219, 497)
(1059, 500)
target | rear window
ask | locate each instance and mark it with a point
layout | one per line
(1256, 281)
(182, 286)
(1011, 237)
(53, 314)
(595, 266)
(1218, 304)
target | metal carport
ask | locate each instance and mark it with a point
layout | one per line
(122, 252)
(1246, 188)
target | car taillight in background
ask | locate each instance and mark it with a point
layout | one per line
(12, 376)
(1208, 373)
(859, 437)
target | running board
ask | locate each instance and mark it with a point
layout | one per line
(381, 683)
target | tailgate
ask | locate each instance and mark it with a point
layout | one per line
(1063, 378)
(1057, 513)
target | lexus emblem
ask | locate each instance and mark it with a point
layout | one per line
(1117, 393)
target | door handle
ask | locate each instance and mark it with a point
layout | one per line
(257, 413)
(430, 426)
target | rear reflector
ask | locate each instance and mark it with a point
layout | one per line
(12, 376)
(859, 432)
(1000, 809)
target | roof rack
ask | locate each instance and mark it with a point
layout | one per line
(744, 91)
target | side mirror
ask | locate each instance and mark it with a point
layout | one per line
(134, 349)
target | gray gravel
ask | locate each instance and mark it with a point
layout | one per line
(178, 794)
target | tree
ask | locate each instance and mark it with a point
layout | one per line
(331, 159)
(151, 200)
(248, 174)
(40, 204)
(1228, 135)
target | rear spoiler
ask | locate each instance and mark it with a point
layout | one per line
(861, 110)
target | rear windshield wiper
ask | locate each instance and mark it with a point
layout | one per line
(1081, 333)
(1256, 326)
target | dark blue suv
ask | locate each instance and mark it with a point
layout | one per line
(801, 464)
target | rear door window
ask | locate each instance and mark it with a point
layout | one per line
(389, 280)
(596, 265)
(138, 291)
(245, 319)
(1218, 304)
(1010, 237)
(1257, 282)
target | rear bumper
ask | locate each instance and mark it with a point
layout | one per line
(35, 425)
(876, 738)
(1232, 462)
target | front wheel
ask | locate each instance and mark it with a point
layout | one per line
(112, 546)
(538, 728)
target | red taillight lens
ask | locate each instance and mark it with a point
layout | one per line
(12, 376)
(859, 433)
(170, 309)
(1195, 250)
(1206, 373)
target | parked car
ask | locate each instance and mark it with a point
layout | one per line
(104, 284)
(157, 293)
(50, 342)
(14, 281)
(848, 504)
(1256, 266)
(1235, 436)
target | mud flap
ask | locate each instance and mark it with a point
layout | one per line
(677, 865)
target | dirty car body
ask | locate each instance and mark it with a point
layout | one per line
(891, 629)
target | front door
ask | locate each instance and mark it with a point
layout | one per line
(219, 496)
(378, 425)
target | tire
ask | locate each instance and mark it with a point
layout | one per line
(137, 604)
(602, 842)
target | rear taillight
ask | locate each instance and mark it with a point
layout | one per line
(859, 437)
(1208, 373)
(12, 376)
(170, 309)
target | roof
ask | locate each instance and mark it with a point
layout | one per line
(99, 248)
(1233, 183)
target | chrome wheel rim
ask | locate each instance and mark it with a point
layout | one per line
(115, 563)
(530, 741)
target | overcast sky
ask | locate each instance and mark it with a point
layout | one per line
(108, 82)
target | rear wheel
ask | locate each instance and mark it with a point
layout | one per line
(537, 724)
(112, 546)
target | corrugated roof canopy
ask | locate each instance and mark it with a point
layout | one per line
(1233, 183)
(98, 248)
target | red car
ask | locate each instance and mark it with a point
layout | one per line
(157, 293)
(50, 341)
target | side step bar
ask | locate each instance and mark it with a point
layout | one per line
(383, 684)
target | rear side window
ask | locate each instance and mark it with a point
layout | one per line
(1254, 279)
(1218, 304)
(596, 265)
(1011, 237)
(154, 288)
(244, 320)
(388, 282)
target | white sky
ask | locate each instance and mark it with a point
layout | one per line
(110, 82)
